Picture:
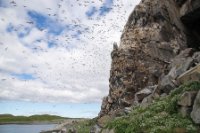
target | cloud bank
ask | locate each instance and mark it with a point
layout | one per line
(58, 50)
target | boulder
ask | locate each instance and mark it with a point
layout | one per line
(156, 92)
(181, 57)
(95, 129)
(127, 110)
(187, 99)
(116, 113)
(195, 114)
(166, 84)
(139, 96)
(124, 102)
(196, 57)
(179, 65)
(191, 75)
(103, 120)
(147, 101)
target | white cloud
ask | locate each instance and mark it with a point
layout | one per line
(72, 71)
(34, 35)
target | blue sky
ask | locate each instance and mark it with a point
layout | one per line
(55, 55)
(91, 11)
(44, 22)
(23, 76)
(105, 8)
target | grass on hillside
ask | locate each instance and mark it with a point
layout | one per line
(162, 116)
(7, 118)
(83, 126)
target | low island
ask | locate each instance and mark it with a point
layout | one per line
(33, 119)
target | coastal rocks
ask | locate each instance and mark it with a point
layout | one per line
(167, 84)
(147, 101)
(139, 96)
(103, 120)
(186, 101)
(184, 67)
(68, 126)
(127, 110)
(190, 75)
(95, 129)
(58, 131)
(196, 109)
(196, 57)
(179, 65)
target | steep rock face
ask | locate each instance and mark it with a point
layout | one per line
(153, 36)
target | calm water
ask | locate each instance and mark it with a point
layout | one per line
(13, 128)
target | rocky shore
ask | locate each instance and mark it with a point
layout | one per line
(66, 126)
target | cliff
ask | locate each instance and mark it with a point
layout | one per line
(159, 44)
(155, 73)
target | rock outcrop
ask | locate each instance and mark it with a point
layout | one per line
(160, 42)
(196, 110)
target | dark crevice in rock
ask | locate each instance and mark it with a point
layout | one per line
(192, 22)
(180, 2)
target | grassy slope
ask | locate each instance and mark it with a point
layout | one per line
(83, 126)
(7, 118)
(162, 116)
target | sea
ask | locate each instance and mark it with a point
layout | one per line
(15, 128)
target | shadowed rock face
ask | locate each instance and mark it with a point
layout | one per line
(191, 18)
(153, 36)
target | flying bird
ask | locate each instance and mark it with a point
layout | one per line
(29, 22)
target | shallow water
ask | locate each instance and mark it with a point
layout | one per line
(14, 128)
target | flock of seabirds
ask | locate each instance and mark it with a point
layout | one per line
(97, 27)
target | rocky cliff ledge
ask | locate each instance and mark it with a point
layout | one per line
(159, 44)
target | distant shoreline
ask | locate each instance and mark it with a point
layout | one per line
(29, 123)
(6, 119)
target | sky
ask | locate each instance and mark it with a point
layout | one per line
(55, 54)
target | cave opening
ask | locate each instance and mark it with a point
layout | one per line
(192, 23)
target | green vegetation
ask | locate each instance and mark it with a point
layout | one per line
(162, 116)
(84, 126)
(7, 118)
